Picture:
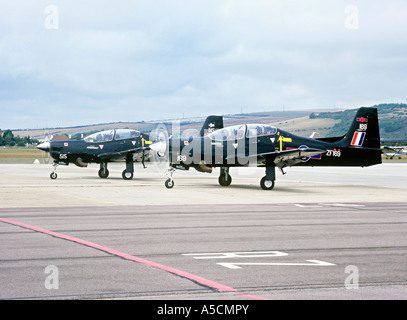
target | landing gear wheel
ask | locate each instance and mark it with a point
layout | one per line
(169, 183)
(127, 175)
(103, 173)
(53, 175)
(225, 180)
(266, 184)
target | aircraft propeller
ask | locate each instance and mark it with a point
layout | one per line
(45, 146)
(160, 144)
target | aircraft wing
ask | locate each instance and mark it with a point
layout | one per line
(391, 151)
(388, 150)
(291, 157)
(288, 157)
(109, 155)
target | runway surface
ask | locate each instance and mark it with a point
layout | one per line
(322, 233)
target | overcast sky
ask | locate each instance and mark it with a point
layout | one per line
(69, 63)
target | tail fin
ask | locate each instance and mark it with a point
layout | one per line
(211, 124)
(364, 131)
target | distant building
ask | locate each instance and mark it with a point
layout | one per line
(60, 137)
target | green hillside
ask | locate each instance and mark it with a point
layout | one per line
(392, 121)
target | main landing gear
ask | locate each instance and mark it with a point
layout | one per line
(224, 178)
(266, 183)
(103, 172)
(127, 173)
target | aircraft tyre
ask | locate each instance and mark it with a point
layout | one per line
(169, 183)
(103, 173)
(127, 175)
(53, 175)
(266, 184)
(225, 180)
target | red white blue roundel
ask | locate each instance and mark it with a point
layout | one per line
(304, 159)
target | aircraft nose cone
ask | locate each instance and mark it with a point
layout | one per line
(45, 146)
(160, 146)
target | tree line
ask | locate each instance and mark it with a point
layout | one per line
(392, 120)
(7, 139)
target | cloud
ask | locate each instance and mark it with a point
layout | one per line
(142, 60)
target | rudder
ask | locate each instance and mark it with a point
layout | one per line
(364, 130)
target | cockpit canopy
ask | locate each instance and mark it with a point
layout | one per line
(242, 130)
(126, 134)
(228, 133)
(258, 130)
(109, 135)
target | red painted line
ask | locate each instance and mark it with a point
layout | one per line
(203, 281)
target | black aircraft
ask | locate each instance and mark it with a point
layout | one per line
(102, 147)
(267, 146)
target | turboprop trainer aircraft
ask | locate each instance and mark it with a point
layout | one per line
(102, 147)
(391, 152)
(266, 146)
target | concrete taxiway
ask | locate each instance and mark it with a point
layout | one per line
(322, 233)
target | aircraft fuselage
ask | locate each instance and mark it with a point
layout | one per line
(102, 147)
(70, 150)
(253, 151)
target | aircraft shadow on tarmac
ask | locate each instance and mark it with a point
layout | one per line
(229, 189)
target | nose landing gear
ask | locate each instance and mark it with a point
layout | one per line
(169, 183)
(53, 174)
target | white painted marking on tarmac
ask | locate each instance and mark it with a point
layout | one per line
(307, 206)
(346, 205)
(236, 265)
(328, 205)
(251, 254)
(224, 255)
